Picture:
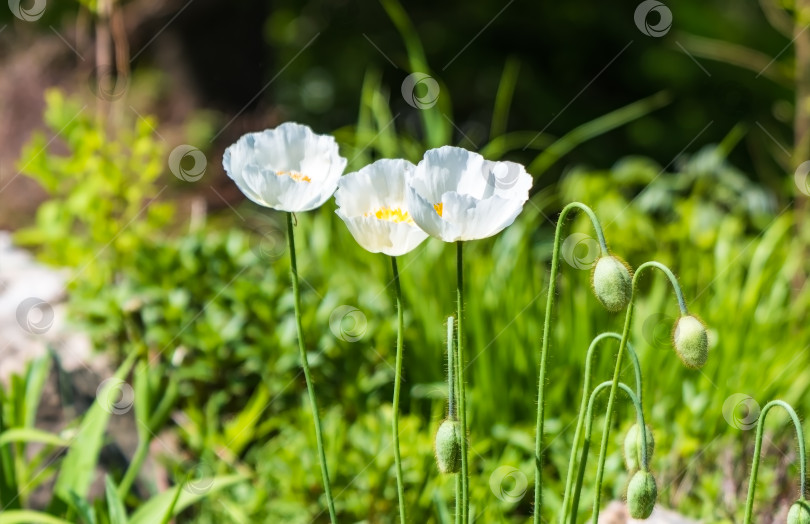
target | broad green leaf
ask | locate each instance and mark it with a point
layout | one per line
(115, 506)
(29, 517)
(32, 435)
(597, 126)
(153, 510)
(79, 466)
(83, 508)
(35, 379)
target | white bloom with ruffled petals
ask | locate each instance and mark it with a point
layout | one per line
(289, 168)
(373, 204)
(455, 194)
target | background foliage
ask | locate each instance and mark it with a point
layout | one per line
(684, 163)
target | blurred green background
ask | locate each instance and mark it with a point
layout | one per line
(685, 145)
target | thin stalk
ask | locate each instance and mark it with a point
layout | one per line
(586, 386)
(451, 399)
(589, 432)
(541, 382)
(752, 484)
(397, 385)
(462, 402)
(313, 403)
(600, 471)
(451, 372)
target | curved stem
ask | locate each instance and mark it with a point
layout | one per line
(586, 386)
(462, 403)
(589, 431)
(397, 385)
(622, 345)
(541, 382)
(752, 485)
(313, 403)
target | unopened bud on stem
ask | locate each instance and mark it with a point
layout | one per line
(691, 341)
(641, 495)
(612, 283)
(448, 447)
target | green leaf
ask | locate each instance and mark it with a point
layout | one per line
(32, 435)
(79, 465)
(153, 510)
(170, 510)
(83, 508)
(503, 98)
(596, 127)
(35, 379)
(29, 517)
(115, 506)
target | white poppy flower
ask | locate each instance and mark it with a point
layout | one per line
(288, 168)
(373, 204)
(455, 194)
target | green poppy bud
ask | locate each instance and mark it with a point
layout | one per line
(691, 341)
(632, 447)
(799, 513)
(612, 283)
(641, 495)
(448, 447)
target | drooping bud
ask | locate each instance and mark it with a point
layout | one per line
(448, 447)
(691, 341)
(641, 495)
(612, 283)
(799, 513)
(632, 447)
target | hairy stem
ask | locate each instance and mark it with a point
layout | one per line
(451, 398)
(462, 403)
(589, 432)
(313, 403)
(397, 385)
(600, 471)
(541, 382)
(586, 386)
(752, 484)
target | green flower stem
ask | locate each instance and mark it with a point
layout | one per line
(451, 399)
(752, 485)
(600, 471)
(462, 403)
(589, 432)
(307, 375)
(586, 386)
(397, 385)
(541, 382)
(451, 372)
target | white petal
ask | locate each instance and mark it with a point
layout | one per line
(449, 169)
(383, 236)
(480, 218)
(479, 197)
(377, 185)
(255, 160)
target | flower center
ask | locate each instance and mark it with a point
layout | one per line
(295, 175)
(439, 208)
(391, 215)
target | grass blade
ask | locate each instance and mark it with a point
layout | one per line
(596, 127)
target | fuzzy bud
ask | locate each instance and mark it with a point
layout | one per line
(632, 447)
(448, 447)
(612, 283)
(641, 495)
(799, 513)
(691, 341)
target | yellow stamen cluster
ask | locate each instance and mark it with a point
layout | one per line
(295, 175)
(391, 215)
(439, 208)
